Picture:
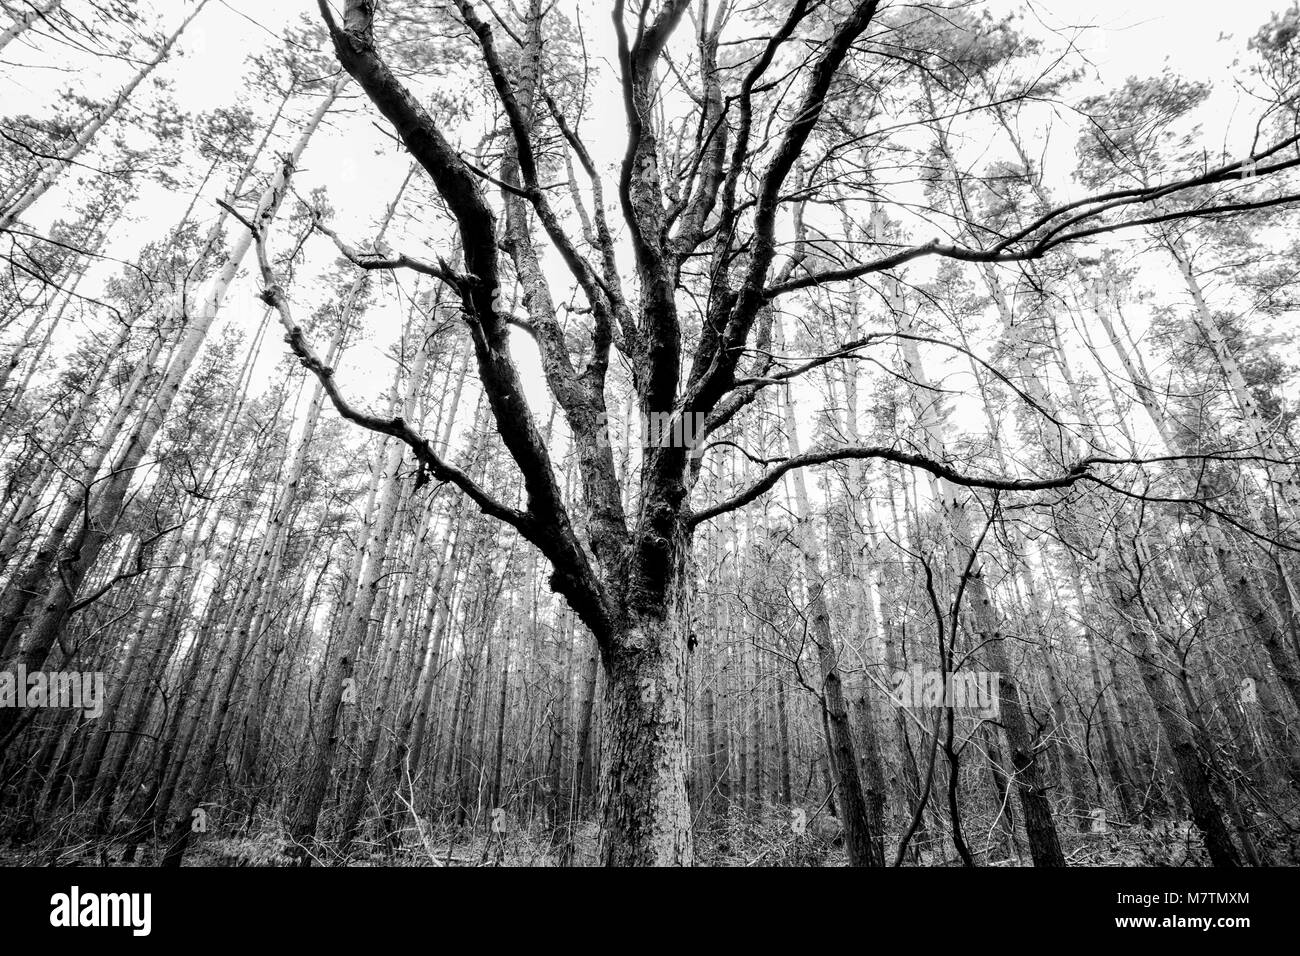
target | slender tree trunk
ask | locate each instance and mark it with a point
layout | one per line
(1040, 827)
(355, 626)
(55, 168)
(25, 19)
(1191, 768)
(861, 819)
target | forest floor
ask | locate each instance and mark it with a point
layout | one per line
(737, 838)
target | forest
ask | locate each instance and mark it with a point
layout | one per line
(565, 433)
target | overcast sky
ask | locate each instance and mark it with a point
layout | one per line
(360, 168)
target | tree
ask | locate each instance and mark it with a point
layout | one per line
(628, 581)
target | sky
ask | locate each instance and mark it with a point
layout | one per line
(358, 166)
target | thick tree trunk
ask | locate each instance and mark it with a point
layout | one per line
(645, 811)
